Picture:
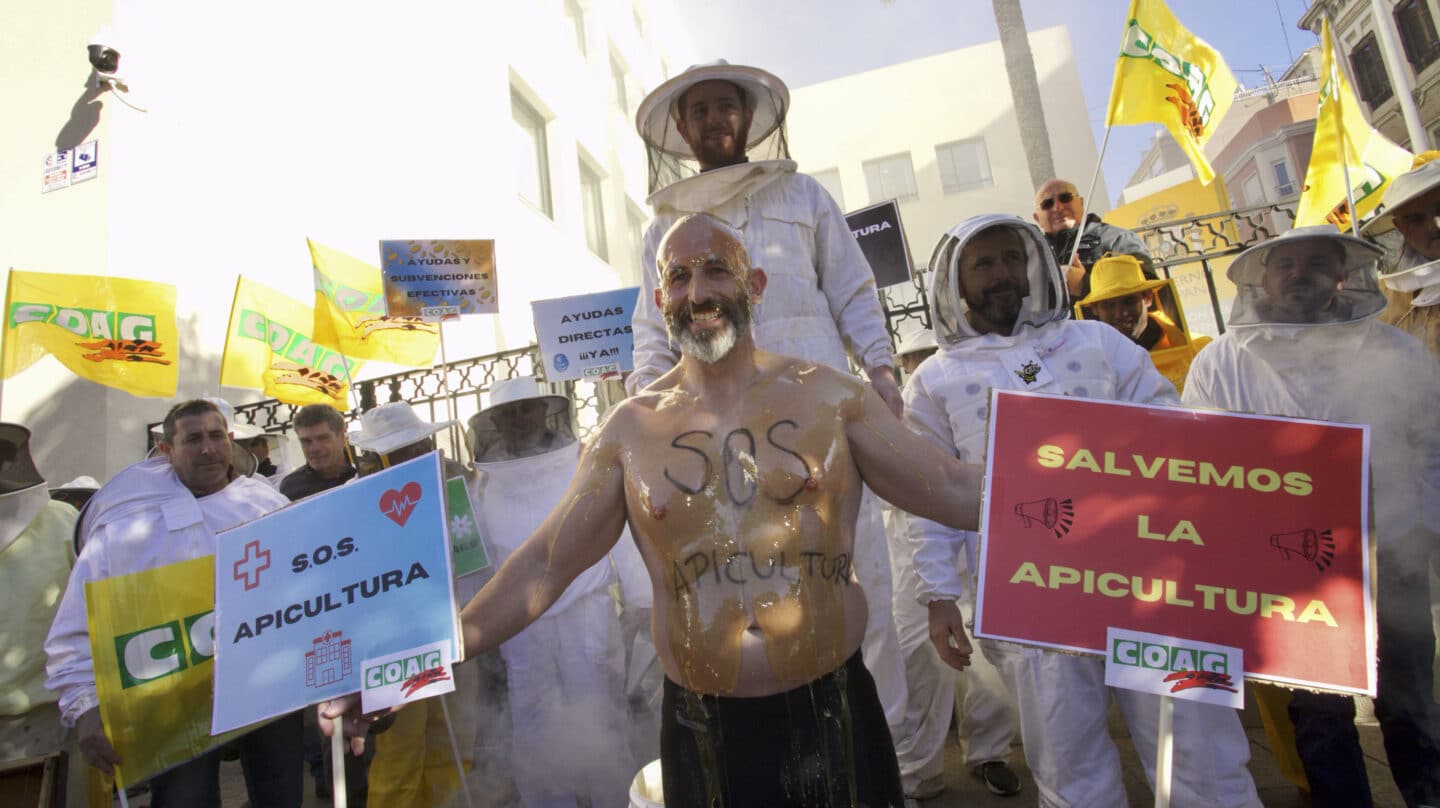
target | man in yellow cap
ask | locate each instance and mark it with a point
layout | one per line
(1147, 311)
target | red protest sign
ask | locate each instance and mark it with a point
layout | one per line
(1232, 529)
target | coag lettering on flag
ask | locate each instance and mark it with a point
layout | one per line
(1169, 76)
(350, 314)
(268, 347)
(118, 332)
(1344, 140)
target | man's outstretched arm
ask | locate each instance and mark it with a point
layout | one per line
(579, 531)
(577, 534)
(908, 471)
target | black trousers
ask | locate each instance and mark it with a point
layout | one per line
(821, 745)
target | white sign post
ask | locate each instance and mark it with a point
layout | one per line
(1173, 668)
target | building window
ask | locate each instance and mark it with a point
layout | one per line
(1417, 33)
(1284, 185)
(1254, 194)
(964, 165)
(532, 160)
(890, 177)
(592, 200)
(1369, 70)
(575, 18)
(829, 179)
(617, 77)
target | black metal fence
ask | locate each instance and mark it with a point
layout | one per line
(1181, 247)
(466, 380)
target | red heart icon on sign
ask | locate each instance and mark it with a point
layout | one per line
(399, 504)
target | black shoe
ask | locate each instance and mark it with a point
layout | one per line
(999, 778)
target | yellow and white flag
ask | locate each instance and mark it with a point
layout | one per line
(150, 637)
(268, 347)
(1343, 138)
(118, 332)
(350, 314)
(1169, 76)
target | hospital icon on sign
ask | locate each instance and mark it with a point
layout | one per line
(328, 660)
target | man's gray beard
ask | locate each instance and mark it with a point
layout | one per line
(710, 350)
(719, 344)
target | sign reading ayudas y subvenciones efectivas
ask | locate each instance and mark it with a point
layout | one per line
(1238, 530)
(304, 594)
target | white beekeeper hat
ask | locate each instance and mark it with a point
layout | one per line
(767, 96)
(393, 425)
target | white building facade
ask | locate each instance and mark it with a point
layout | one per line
(345, 122)
(940, 135)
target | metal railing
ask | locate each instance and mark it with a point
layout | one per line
(1175, 246)
(426, 390)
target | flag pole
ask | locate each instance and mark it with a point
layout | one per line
(1164, 752)
(449, 395)
(1094, 178)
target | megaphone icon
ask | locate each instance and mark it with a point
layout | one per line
(1055, 514)
(1317, 547)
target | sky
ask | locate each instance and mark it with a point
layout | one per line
(809, 41)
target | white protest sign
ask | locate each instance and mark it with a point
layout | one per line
(302, 595)
(586, 336)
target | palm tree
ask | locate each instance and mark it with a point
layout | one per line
(1024, 90)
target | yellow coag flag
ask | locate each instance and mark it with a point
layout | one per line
(350, 314)
(268, 347)
(1343, 138)
(1167, 75)
(150, 638)
(117, 332)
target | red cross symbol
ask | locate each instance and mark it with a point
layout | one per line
(254, 562)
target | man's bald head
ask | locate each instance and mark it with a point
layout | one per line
(706, 286)
(697, 238)
(1058, 206)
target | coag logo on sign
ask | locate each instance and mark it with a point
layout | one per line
(399, 670)
(1168, 658)
(1185, 667)
(155, 653)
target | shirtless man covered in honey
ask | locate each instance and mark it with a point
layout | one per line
(739, 472)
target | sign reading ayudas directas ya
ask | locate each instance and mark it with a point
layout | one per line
(305, 594)
(586, 336)
(1238, 530)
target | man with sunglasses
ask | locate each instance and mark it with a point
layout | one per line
(1060, 212)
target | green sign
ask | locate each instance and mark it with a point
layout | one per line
(466, 547)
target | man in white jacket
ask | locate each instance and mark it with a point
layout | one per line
(987, 720)
(821, 304)
(566, 671)
(157, 512)
(997, 305)
(1304, 341)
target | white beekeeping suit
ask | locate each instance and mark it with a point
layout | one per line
(820, 302)
(1062, 697)
(988, 720)
(566, 671)
(1347, 367)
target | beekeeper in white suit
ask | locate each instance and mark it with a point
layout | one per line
(987, 719)
(821, 302)
(1305, 341)
(997, 306)
(566, 672)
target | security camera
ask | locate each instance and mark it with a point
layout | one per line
(105, 59)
